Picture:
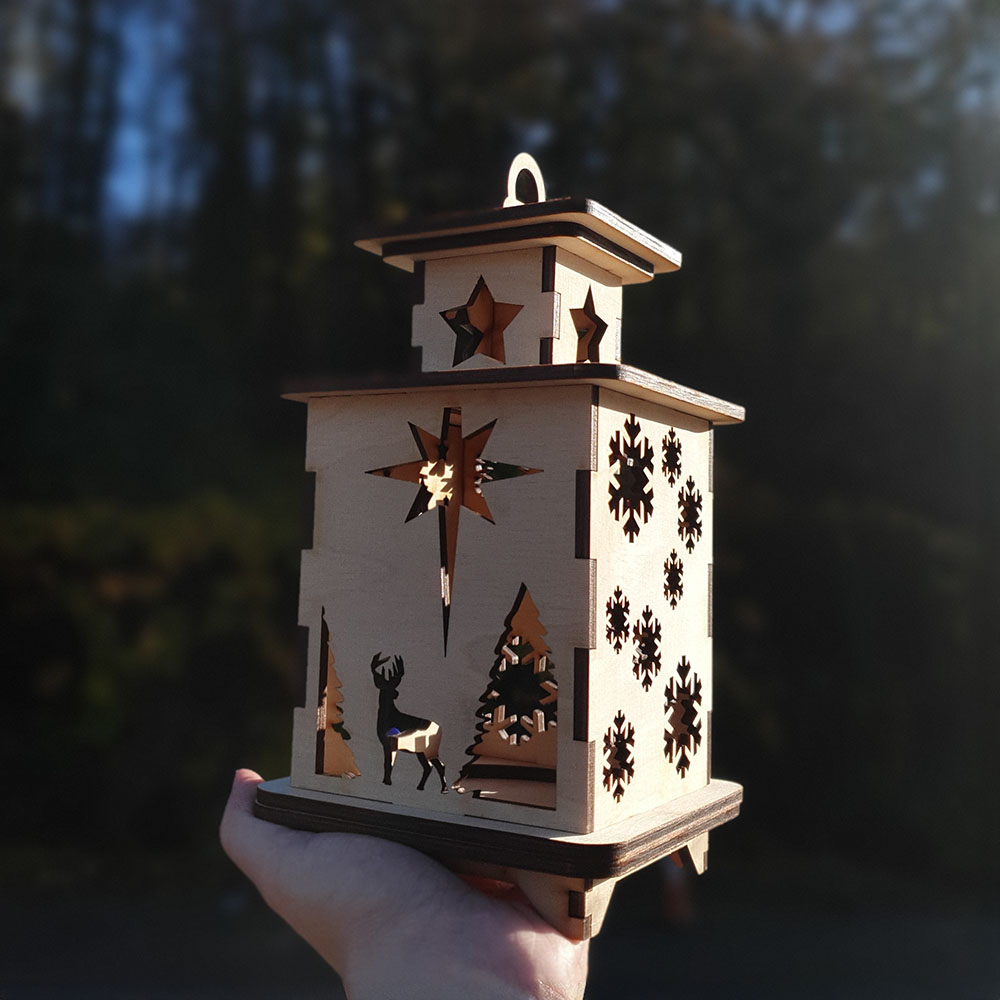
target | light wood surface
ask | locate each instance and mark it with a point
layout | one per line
(631, 730)
(378, 577)
(636, 569)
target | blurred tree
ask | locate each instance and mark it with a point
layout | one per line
(831, 172)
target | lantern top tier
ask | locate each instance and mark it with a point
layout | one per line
(536, 281)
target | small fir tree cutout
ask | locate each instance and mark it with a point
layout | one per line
(672, 457)
(673, 579)
(618, 628)
(618, 743)
(646, 655)
(683, 727)
(514, 751)
(333, 756)
(689, 522)
(633, 493)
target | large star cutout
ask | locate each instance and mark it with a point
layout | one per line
(589, 328)
(449, 475)
(479, 324)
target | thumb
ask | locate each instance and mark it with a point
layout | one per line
(248, 841)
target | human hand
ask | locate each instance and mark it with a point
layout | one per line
(394, 923)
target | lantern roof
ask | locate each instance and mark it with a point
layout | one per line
(623, 378)
(579, 225)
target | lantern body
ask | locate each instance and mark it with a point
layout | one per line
(507, 603)
(609, 536)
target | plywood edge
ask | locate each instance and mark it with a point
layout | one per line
(628, 267)
(622, 378)
(608, 225)
(611, 852)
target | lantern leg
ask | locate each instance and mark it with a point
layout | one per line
(574, 906)
(694, 854)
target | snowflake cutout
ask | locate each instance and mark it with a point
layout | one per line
(689, 505)
(672, 457)
(617, 619)
(646, 658)
(683, 730)
(617, 743)
(522, 684)
(673, 579)
(633, 494)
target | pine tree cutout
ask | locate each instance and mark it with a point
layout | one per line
(514, 752)
(333, 756)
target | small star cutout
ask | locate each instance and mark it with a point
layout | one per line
(589, 328)
(479, 324)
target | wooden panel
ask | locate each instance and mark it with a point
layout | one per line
(511, 278)
(653, 593)
(378, 576)
(575, 278)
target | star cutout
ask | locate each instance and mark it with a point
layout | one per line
(479, 324)
(589, 328)
(449, 475)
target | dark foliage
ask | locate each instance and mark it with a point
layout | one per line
(180, 186)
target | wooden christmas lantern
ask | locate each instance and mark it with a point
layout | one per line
(509, 594)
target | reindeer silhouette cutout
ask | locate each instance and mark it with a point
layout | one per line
(399, 732)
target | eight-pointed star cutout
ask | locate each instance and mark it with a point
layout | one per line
(589, 328)
(479, 324)
(450, 474)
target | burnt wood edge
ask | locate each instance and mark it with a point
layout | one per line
(548, 269)
(581, 523)
(442, 839)
(418, 283)
(581, 694)
(426, 245)
(373, 241)
(453, 377)
(586, 372)
(708, 740)
(308, 521)
(464, 218)
(710, 623)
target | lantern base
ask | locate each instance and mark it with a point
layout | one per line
(568, 877)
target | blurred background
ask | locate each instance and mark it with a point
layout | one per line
(180, 187)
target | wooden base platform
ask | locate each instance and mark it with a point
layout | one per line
(569, 878)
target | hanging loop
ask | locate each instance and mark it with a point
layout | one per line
(524, 181)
